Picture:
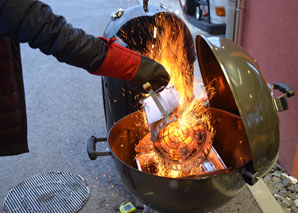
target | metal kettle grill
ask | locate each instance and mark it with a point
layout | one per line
(243, 112)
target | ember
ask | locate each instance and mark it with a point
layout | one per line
(183, 148)
(150, 162)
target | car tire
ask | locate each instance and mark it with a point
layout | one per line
(190, 7)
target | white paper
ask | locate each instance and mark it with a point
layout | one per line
(168, 98)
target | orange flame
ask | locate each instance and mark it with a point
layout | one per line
(168, 49)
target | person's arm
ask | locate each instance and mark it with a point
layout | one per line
(34, 22)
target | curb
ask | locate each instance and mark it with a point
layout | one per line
(264, 198)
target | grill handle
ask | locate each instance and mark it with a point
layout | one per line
(281, 101)
(248, 173)
(91, 148)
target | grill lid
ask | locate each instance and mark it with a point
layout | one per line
(241, 89)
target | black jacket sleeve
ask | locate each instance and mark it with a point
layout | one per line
(34, 22)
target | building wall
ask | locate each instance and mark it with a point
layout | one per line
(269, 32)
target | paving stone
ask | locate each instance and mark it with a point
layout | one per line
(286, 210)
(278, 186)
(286, 203)
(294, 209)
(270, 185)
(296, 203)
(284, 175)
(286, 182)
(274, 191)
(296, 188)
(277, 167)
(278, 197)
(276, 174)
(293, 196)
(276, 179)
(291, 188)
(267, 178)
(293, 180)
(284, 193)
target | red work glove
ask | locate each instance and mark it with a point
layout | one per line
(132, 67)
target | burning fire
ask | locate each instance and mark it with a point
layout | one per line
(183, 145)
(169, 51)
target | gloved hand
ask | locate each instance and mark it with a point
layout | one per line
(132, 67)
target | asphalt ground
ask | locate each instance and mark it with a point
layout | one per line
(64, 108)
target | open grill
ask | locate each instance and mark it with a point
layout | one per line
(213, 165)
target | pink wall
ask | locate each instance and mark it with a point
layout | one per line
(269, 32)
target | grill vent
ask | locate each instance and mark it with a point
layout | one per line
(48, 192)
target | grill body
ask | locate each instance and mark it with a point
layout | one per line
(243, 114)
(182, 195)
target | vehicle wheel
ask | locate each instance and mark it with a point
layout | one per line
(190, 7)
(198, 12)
